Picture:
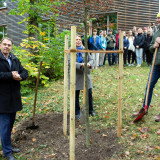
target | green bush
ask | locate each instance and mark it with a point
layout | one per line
(51, 54)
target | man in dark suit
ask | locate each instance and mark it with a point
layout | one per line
(11, 73)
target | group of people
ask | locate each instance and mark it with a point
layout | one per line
(12, 72)
(136, 43)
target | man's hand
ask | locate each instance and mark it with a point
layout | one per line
(16, 76)
(137, 46)
(158, 40)
(88, 65)
(156, 44)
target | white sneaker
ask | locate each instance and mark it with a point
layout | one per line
(132, 64)
(138, 65)
(129, 65)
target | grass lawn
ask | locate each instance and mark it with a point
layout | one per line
(140, 140)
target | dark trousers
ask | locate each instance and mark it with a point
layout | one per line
(113, 57)
(154, 79)
(130, 52)
(105, 57)
(125, 56)
(149, 57)
(6, 126)
(77, 111)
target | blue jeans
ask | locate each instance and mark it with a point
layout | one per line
(139, 53)
(77, 111)
(155, 77)
(6, 126)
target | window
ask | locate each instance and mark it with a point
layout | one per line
(3, 3)
(3, 32)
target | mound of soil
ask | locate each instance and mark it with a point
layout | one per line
(48, 141)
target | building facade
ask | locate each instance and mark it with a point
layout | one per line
(9, 26)
(128, 13)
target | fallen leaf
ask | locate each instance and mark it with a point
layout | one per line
(140, 151)
(149, 148)
(158, 132)
(13, 130)
(33, 139)
(127, 153)
(51, 155)
(157, 147)
(144, 136)
(104, 135)
(145, 129)
(134, 135)
(97, 131)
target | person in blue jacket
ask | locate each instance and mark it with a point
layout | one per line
(95, 45)
(103, 44)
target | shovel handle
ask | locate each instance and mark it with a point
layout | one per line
(35, 98)
(150, 77)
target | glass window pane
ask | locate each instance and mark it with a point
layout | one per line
(3, 3)
(3, 32)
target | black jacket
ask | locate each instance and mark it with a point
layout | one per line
(10, 97)
(147, 42)
(139, 40)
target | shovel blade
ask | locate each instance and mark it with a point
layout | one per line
(139, 117)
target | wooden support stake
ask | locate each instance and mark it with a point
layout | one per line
(120, 85)
(72, 93)
(65, 86)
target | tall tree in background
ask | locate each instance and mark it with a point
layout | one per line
(35, 12)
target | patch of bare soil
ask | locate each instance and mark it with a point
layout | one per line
(48, 141)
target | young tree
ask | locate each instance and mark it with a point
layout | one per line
(83, 11)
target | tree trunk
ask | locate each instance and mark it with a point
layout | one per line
(86, 79)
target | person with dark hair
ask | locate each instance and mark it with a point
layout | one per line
(95, 44)
(80, 78)
(103, 44)
(111, 46)
(147, 41)
(134, 31)
(105, 36)
(145, 35)
(131, 49)
(125, 48)
(11, 73)
(138, 43)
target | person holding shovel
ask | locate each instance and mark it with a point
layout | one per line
(155, 43)
(11, 73)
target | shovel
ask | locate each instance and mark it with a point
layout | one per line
(140, 116)
(33, 126)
